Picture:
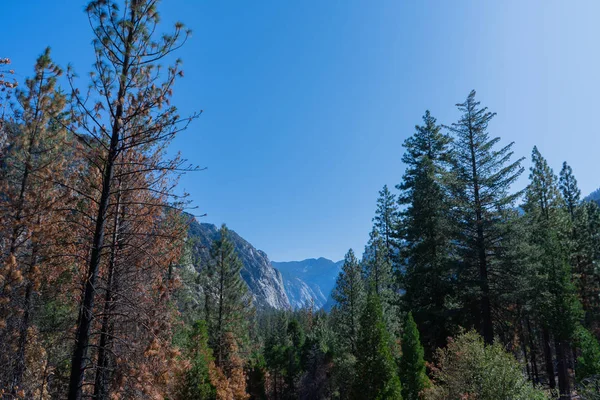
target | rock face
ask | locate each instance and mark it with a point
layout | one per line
(264, 282)
(309, 280)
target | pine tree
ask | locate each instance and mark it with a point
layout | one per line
(568, 187)
(379, 277)
(296, 339)
(425, 231)
(412, 364)
(349, 295)
(376, 370)
(386, 220)
(585, 260)
(32, 226)
(137, 284)
(124, 120)
(584, 243)
(228, 305)
(555, 301)
(6, 88)
(481, 178)
(196, 382)
(376, 263)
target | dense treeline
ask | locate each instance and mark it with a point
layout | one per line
(467, 287)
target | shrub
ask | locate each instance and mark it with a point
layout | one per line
(468, 369)
(588, 363)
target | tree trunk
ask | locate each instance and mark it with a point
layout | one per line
(484, 285)
(524, 347)
(25, 322)
(533, 352)
(101, 387)
(23, 330)
(548, 357)
(564, 384)
(80, 354)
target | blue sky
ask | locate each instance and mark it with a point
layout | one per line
(307, 103)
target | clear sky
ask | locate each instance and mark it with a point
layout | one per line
(307, 102)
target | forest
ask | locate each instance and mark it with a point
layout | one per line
(467, 288)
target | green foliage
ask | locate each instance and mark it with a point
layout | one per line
(196, 384)
(293, 354)
(349, 295)
(469, 369)
(376, 376)
(287, 350)
(378, 275)
(412, 364)
(588, 363)
(228, 307)
(568, 187)
(426, 231)
(377, 265)
(256, 377)
(585, 258)
(555, 298)
(386, 221)
(343, 375)
(481, 178)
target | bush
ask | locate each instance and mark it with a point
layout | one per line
(468, 369)
(588, 363)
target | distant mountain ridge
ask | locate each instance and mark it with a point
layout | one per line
(264, 282)
(310, 280)
(594, 196)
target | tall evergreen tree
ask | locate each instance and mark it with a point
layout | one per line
(293, 368)
(569, 189)
(377, 267)
(481, 179)
(555, 302)
(386, 220)
(228, 305)
(584, 241)
(412, 364)
(586, 260)
(376, 370)
(379, 277)
(349, 295)
(425, 231)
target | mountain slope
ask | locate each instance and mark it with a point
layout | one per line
(264, 282)
(594, 196)
(309, 280)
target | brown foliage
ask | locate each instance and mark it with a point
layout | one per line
(230, 381)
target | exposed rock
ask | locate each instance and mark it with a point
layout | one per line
(264, 282)
(310, 280)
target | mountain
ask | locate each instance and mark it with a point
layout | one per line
(595, 196)
(309, 280)
(264, 282)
